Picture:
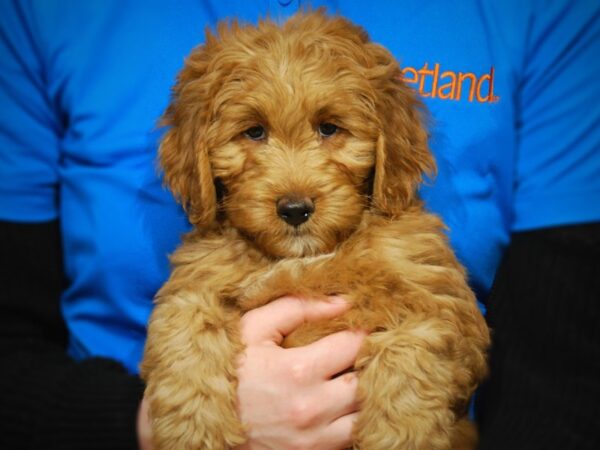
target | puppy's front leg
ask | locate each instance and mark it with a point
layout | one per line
(189, 368)
(410, 387)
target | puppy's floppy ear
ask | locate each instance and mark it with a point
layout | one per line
(184, 159)
(183, 151)
(402, 155)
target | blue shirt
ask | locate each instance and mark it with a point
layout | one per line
(515, 127)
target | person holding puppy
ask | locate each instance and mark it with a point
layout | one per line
(82, 86)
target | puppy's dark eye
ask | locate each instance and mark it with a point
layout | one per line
(256, 133)
(327, 129)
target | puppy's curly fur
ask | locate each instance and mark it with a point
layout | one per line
(247, 130)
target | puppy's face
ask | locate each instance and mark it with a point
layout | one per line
(293, 147)
(296, 125)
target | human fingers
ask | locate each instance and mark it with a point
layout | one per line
(332, 354)
(275, 320)
(340, 393)
(338, 434)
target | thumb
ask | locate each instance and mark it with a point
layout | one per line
(275, 320)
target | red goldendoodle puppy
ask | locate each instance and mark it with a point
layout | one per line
(297, 151)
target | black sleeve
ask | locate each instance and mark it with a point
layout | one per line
(47, 400)
(544, 311)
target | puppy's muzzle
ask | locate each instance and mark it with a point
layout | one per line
(295, 211)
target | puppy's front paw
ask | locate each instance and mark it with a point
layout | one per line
(190, 373)
(183, 417)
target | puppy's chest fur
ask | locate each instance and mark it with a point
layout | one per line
(387, 270)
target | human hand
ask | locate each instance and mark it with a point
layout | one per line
(143, 427)
(287, 397)
(144, 430)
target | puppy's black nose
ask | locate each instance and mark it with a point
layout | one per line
(295, 211)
